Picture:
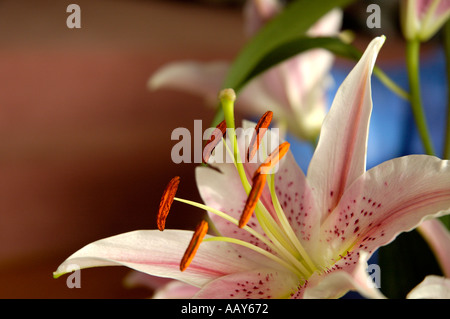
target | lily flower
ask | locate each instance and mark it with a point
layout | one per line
(301, 236)
(421, 19)
(294, 89)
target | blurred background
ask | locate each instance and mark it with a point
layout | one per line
(84, 145)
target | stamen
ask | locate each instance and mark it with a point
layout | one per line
(271, 244)
(197, 237)
(273, 159)
(166, 202)
(215, 138)
(287, 227)
(260, 130)
(259, 180)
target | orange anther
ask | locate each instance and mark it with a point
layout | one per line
(260, 129)
(197, 237)
(166, 202)
(215, 138)
(273, 159)
(259, 180)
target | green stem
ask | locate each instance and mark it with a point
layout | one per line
(390, 84)
(446, 154)
(446, 33)
(412, 64)
(218, 116)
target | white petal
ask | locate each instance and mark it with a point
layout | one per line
(264, 283)
(176, 290)
(340, 156)
(159, 254)
(338, 282)
(432, 287)
(200, 78)
(391, 198)
(438, 237)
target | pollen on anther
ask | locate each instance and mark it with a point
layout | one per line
(273, 159)
(166, 202)
(260, 130)
(216, 136)
(197, 237)
(259, 181)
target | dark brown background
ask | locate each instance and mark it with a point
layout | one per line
(84, 146)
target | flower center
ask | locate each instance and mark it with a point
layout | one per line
(278, 235)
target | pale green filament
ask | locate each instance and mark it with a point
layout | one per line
(270, 227)
(228, 218)
(287, 227)
(282, 238)
(284, 249)
(274, 245)
(239, 166)
(259, 250)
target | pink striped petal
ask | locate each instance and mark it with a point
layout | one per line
(222, 190)
(421, 19)
(340, 156)
(438, 237)
(258, 12)
(443, 8)
(303, 73)
(262, 283)
(162, 288)
(159, 254)
(393, 197)
(431, 23)
(176, 290)
(297, 202)
(344, 278)
(221, 187)
(423, 6)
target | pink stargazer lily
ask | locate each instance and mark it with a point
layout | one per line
(309, 236)
(421, 19)
(295, 89)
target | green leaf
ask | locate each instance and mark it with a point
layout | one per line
(302, 44)
(295, 19)
(293, 22)
(297, 46)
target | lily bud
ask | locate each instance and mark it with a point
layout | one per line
(421, 19)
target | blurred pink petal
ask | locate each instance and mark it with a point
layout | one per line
(438, 237)
(432, 287)
(294, 90)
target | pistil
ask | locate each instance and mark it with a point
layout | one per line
(279, 237)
